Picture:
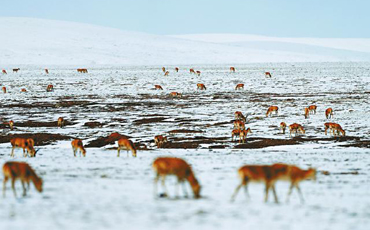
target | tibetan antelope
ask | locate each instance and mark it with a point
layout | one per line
(283, 126)
(295, 128)
(166, 73)
(82, 70)
(61, 122)
(334, 127)
(46, 71)
(294, 175)
(175, 94)
(4, 71)
(77, 145)
(198, 72)
(165, 166)
(127, 144)
(16, 70)
(239, 86)
(329, 113)
(238, 124)
(201, 86)
(159, 140)
(158, 87)
(3, 89)
(312, 109)
(232, 69)
(192, 71)
(272, 109)
(243, 135)
(11, 124)
(267, 74)
(24, 90)
(306, 113)
(50, 88)
(177, 70)
(25, 144)
(240, 117)
(163, 69)
(20, 171)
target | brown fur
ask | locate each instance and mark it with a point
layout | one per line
(306, 113)
(159, 140)
(50, 88)
(239, 86)
(198, 72)
(177, 70)
(232, 69)
(126, 144)
(329, 113)
(295, 128)
(25, 144)
(312, 109)
(82, 70)
(11, 124)
(16, 70)
(267, 74)
(78, 145)
(4, 71)
(3, 89)
(272, 109)
(23, 90)
(175, 94)
(166, 73)
(158, 87)
(239, 125)
(239, 116)
(192, 71)
(46, 71)
(283, 126)
(61, 122)
(163, 69)
(201, 86)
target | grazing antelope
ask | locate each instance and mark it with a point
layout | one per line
(24, 90)
(201, 86)
(50, 88)
(232, 69)
(46, 71)
(239, 86)
(243, 135)
(158, 87)
(159, 140)
(78, 145)
(272, 109)
(198, 72)
(306, 113)
(334, 127)
(295, 128)
(3, 89)
(257, 173)
(239, 116)
(20, 171)
(164, 166)
(127, 144)
(175, 94)
(82, 70)
(192, 71)
(11, 124)
(267, 74)
(329, 113)
(294, 175)
(177, 70)
(4, 71)
(166, 73)
(283, 127)
(61, 122)
(163, 69)
(16, 70)
(312, 109)
(328, 125)
(238, 124)
(25, 144)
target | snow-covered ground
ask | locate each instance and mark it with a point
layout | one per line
(102, 191)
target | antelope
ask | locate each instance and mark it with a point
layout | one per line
(283, 127)
(82, 70)
(243, 135)
(46, 71)
(175, 94)
(3, 89)
(127, 144)
(164, 166)
(20, 171)
(239, 86)
(306, 113)
(163, 69)
(158, 87)
(235, 133)
(198, 72)
(295, 128)
(4, 71)
(312, 109)
(192, 71)
(23, 90)
(267, 74)
(25, 144)
(201, 86)
(61, 122)
(239, 116)
(329, 113)
(239, 125)
(77, 145)
(294, 175)
(159, 140)
(232, 69)
(11, 124)
(166, 73)
(272, 109)
(177, 70)
(16, 70)
(334, 127)
(50, 88)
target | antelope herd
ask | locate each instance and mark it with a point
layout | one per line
(165, 166)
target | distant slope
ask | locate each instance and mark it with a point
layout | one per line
(48, 42)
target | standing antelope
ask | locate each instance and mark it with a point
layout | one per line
(306, 113)
(50, 88)
(177, 70)
(16, 70)
(272, 109)
(232, 69)
(3, 89)
(23, 90)
(77, 145)
(25, 144)
(329, 113)
(166, 73)
(201, 86)
(4, 71)
(175, 94)
(192, 71)
(11, 124)
(283, 126)
(164, 166)
(243, 135)
(163, 69)
(238, 124)
(127, 144)
(158, 87)
(239, 116)
(159, 140)
(20, 171)
(295, 128)
(61, 122)
(267, 74)
(46, 71)
(198, 72)
(239, 86)
(312, 109)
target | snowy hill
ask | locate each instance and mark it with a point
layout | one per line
(48, 42)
